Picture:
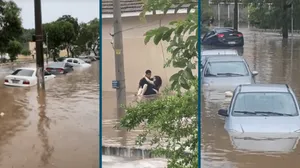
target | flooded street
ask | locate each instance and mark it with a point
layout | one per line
(276, 61)
(56, 129)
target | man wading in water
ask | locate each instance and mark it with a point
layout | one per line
(148, 85)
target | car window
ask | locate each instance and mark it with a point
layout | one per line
(75, 61)
(68, 65)
(226, 68)
(23, 72)
(69, 60)
(283, 103)
(56, 65)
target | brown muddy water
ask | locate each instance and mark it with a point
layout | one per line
(277, 61)
(51, 130)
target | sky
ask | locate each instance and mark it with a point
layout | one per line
(84, 10)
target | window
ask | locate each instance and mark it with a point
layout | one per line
(23, 72)
(75, 61)
(56, 65)
(282, 103)
(69, 60)
(228, 68)
(68, 65)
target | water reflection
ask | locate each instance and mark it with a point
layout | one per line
(43, 125)
(264, 143)
(65, 118)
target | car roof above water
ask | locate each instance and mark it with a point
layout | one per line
(264, 88)
(225, 58)
(219, 52)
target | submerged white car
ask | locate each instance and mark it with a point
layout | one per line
(76, 62)
(25, 77)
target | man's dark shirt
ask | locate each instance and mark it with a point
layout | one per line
(149, 90)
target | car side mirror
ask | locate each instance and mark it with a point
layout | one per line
(223, 112)
(254, 73)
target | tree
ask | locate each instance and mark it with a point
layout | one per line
(10, 23)
(13, 49)
(171, 120)
(59, 34)
(272, 14)
(88, 37)
(70, 41)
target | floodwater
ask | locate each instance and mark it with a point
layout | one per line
(277, 61)
(58, 128)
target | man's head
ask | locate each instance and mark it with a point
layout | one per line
(148, 74)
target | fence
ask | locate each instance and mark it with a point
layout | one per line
(223, 12)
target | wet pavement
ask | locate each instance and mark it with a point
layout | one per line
(277, 61)
(56, 129)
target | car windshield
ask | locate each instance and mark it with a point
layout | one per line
(56, 65)
(266, 104)
(23, 72)
(226, 68)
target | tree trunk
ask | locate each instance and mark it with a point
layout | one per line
(235, 18)
(284, 21)
(68, 52)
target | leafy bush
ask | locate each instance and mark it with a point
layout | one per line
(170, 121)
(228, 23)
(3, 60)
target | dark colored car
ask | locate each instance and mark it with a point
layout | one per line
(59, 68)
(223, 37)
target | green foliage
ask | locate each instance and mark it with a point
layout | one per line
(170, 121)
(228, 23)
(59, 35)
(170, 125)
(10, 23)
(25, 52)
(182, 36)
(13, 49)
(88, 37)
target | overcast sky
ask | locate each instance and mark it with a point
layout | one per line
(84, 10)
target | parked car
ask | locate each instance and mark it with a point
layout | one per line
(223, 37)
(76, 62)
(93, 58)
(217, 52)
(85, 59)
(226, 73)
(25, 77)
(59, 68)
(262, 108)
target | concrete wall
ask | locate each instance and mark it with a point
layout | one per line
(138, 56)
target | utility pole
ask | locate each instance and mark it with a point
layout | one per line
(119, 58)
(48, 54)
(235, 15)
(292, 18)
(39, 44)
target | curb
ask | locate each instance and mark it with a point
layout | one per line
(129, 152)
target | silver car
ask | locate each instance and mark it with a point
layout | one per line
(262, 109)
(226, 73)
(217, 52)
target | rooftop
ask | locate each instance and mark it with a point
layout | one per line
(264, 88)
(127, 6)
